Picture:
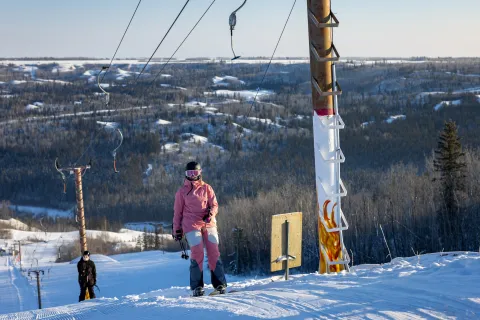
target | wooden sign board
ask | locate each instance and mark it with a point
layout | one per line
(278, 241)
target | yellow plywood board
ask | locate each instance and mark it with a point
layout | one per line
(278, 241)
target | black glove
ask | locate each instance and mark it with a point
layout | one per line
(208, 217)
(178, 236)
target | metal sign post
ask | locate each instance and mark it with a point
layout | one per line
(287, 256)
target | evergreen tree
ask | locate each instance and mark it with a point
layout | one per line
(157, 238)
(450, 163)
(151, 241)
(145, 239)
(139, 244)
(241, 256)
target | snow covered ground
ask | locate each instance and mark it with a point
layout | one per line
(163, 122)
(15, 224)
(442, 104)
(392, 119)
(153, 285)
(226, 81)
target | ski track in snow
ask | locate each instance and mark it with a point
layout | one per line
(434, 286)
(15, 293)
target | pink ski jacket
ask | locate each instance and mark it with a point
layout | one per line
(191, 202)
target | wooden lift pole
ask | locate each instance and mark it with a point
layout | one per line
(326, 125)
(320, 38)
(80, 209)
(79, 172)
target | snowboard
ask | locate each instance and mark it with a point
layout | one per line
(215, 292)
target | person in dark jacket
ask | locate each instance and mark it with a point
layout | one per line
(87, 276)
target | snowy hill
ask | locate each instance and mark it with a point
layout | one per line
(151, 285)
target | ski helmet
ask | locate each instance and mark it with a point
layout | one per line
(193, 171)
(86, 253)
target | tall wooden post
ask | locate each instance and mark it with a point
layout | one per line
(320, 45)
(326, 125)
(80, 209)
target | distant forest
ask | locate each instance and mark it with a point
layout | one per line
(389, 171)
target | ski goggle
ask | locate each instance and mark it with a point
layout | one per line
(193, 173)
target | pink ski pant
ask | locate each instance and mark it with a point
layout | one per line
(200, 239)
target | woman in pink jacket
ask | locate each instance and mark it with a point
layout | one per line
(195, 214)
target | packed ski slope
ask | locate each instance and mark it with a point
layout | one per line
(152, 285)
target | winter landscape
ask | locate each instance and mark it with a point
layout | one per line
(140, 185)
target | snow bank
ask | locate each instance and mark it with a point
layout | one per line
(42, 81)
(109, 125)
(227, 81)
(90, 73)
(442, 104)
(195, 104)
(162, 122)
(16, 82)
(244, 130)
(227, 101)
(31, 107)
(194, 138)
(166, 85)
(148, 172)
(62, 68)
(392, 119)
(15, 224)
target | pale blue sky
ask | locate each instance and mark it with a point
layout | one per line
(399, 28)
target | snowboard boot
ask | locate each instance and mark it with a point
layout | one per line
(222, 289)
(198, 292)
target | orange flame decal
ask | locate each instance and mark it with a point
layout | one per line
(329, 240)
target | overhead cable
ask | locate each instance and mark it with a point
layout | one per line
(121, 40)
(168, 31)
(271, 58)
(178, 48)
